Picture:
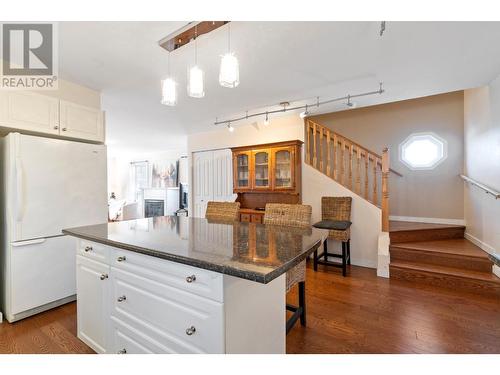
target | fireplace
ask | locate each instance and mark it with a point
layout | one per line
(154, 207)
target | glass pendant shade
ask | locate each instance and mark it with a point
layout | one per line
(229, 75)
(168, 92)
(195, 82)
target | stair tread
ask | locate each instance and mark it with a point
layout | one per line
(451, 271)
(456, 246)
(401, 226)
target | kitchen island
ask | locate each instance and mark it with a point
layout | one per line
(186, 285)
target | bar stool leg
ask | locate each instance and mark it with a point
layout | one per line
(349, 251)
(325, 249)
(344, 246)
(302, 302)
(315, 260)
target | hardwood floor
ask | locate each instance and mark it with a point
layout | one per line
(360, 313)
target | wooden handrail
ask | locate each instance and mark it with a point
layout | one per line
(487, 189)
(349, 142)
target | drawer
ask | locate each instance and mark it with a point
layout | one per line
(245, 217)
(182, 321)
(256, 218)
(202, 282)
(93, 250)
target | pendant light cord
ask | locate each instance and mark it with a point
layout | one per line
(229, 36)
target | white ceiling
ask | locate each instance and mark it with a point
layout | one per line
(278, 61)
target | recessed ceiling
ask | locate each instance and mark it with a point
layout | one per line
(278, 61)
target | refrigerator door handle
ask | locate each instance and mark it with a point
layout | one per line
(19, 190)
(30, 242)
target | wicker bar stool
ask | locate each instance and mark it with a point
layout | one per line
(292, 215)
(223, 211)
(335, 216)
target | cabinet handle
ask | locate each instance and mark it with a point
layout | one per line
(121, 259)
(64, 129)
(122, 351)
(121, 298)
(56, 127)
(104, 276)
(88, 248)
(191, 278)
(190, 330)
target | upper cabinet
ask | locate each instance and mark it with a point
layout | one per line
(267, 168)
(241, 170)
(34, 113)
(31, 112)
(81, 122)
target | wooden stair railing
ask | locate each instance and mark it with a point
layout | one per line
(362, 171)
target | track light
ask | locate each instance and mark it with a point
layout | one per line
(229, 127)
(349, 103)
(266, 121)
(305, 113)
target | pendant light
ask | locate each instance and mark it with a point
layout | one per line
(229, 75)
(169, 89)
(195, 74)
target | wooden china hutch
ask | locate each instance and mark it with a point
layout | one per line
(268, 173)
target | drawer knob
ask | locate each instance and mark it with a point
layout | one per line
(121, 259)
(104, 276)
(190, 330)
(88, 248)
(56, 127)
(191, 278)
(121, 298)
(122, 351)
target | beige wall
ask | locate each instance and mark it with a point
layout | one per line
(482, 163)
(436, 193)
(365, 216)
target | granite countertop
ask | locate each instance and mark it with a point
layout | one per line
(250, 251)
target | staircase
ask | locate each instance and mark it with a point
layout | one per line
(360, 170)
(439, 255)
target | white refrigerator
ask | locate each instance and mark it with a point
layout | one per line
(47, 185)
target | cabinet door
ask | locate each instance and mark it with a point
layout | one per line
(92, 279)
(283, 168)
(261, 169)
(27, 111)
(242, 171)
(81, 122)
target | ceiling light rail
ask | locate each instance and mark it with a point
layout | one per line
(308, 106)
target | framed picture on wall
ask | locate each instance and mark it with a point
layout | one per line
(164, 174)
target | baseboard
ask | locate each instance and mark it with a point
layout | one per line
(476, 241)
(1, 317)
(430, 220)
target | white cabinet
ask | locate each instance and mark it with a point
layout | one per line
(78, 121)
(47, 115)
(133, 303)
(28, 111)
(93, 285)
(212, 179)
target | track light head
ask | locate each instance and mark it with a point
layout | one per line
(230, 127)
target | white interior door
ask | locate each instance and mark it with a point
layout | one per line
(223, 175)
(42, 271)
(202, 181)
(55, 184)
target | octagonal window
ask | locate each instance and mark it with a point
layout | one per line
(423, 151)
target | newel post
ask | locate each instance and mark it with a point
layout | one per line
(385, 190)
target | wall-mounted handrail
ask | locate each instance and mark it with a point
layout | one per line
(487, 189)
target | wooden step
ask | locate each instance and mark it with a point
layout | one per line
(447, 277)
(458, 253)
(405, 231)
